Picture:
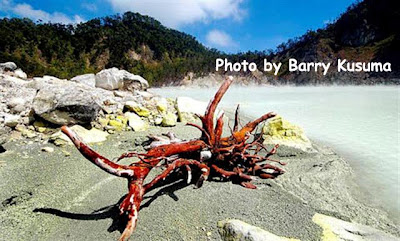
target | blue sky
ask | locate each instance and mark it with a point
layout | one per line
(228, 25)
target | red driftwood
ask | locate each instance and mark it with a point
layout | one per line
(234, 158)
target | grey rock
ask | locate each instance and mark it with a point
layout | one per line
(236, 230)
(188, 107)
(11, 120)
(88, 136)
(8, 66)
(86, 79)
(69, 104)
(135, 122)
(277, 130)
(20, 74)
(169, 119)
(15, 97)
(113, 79)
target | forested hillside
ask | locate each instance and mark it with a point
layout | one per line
(367, 31)
(137, 43)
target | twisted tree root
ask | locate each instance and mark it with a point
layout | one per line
(231, 158)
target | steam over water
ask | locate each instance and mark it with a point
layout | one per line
(360, 123)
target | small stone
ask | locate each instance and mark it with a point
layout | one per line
(138, 109)
(158, 120)
(48, 149)
(30, 134)
(41, 129)
(135, 122)
(66, 153)
(117, 124)
(15, 135)
(25, 131)
(161, 104)
(169, 119)
(20, 74)
(103, 122)
(25, 120)
(59, 142)
(11, 120)
(208, 233)
(39, 126)
(123, 119)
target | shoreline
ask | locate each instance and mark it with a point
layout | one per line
(335, 122)
(361, 192)
(56, 196)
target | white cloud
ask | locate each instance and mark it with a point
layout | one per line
(89, 6)
(175, 13)
(5, 5)
(217, 38)
(27, 11)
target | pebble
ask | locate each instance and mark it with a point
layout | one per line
(66, 153)
(48, 149)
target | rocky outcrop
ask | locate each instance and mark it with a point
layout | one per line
(280, 131)
(35, 108)
(113, 79)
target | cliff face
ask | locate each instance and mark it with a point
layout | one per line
(366, 32)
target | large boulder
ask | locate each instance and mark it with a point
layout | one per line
(20, 74)
(15, 96)
(86, 79)
(236, 230)
(112, 79)
(11, 120)
(88, 136)
(169, 119)
(135, 122)
(188, 107)
(280, 131)
(8, 66)
(67, 104)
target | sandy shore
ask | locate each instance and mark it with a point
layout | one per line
(51, 196)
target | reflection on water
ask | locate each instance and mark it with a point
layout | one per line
(360, 123)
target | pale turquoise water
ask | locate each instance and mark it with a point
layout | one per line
(360, 123)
